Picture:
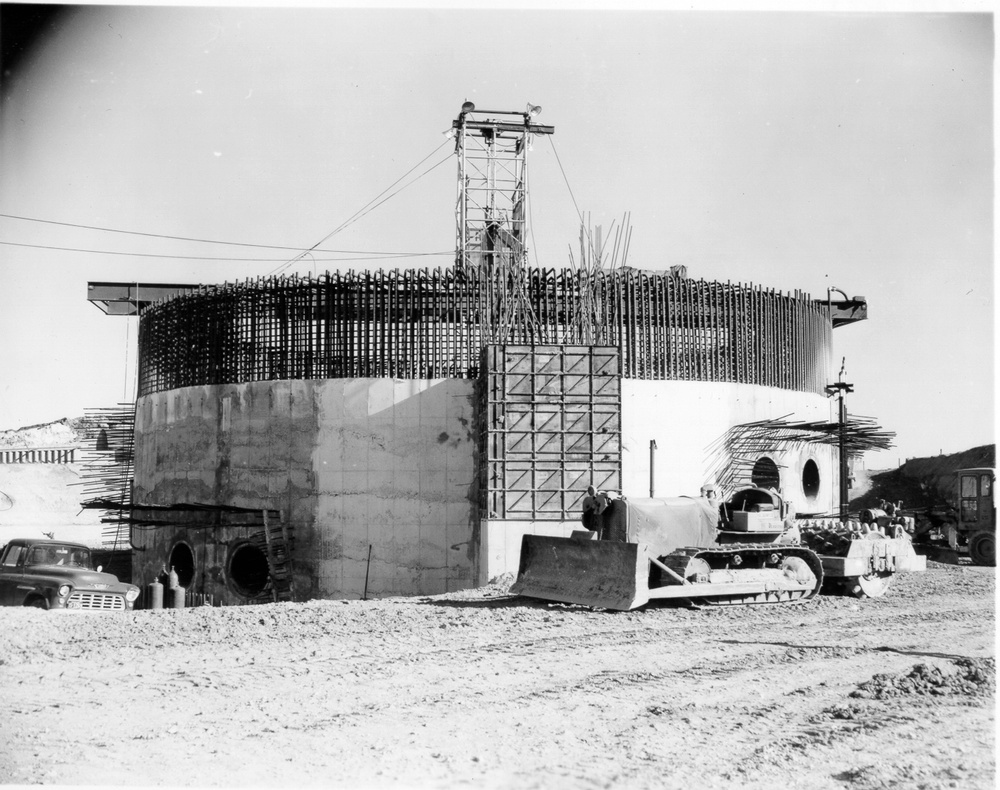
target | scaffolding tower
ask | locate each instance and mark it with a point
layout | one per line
(492, 147)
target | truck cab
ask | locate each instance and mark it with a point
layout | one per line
(50, 574)
(975, 530)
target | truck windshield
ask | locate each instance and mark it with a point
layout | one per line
(72, 556)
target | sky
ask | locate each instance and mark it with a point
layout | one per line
(797, 150)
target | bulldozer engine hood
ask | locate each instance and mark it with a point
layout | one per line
(663, 524)
(747, 498)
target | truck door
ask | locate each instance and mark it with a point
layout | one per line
(11, 573)
(987, 514)
(968, 504)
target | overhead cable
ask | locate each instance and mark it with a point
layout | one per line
(155, 235)
(367, 256)
(357, 215)
(365, 208)
(561, 170)
(368, 208)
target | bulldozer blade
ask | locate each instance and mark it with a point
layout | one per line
(604, 574)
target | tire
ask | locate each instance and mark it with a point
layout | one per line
(983, 548)
(872, 585)
(37, 603)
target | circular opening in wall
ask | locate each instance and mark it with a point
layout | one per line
(248, 569)
(182, 561)
(810, 479)
(765, 474)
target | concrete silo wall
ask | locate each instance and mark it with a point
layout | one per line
(350, 463)
(685, 418)
(363, 408)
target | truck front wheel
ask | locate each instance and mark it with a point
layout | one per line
(983, 548)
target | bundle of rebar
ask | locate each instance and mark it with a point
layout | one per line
(737, 451)
(107, 459)
(590, 320)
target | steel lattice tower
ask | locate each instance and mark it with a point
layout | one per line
(492, 147)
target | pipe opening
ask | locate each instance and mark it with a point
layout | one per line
(248, 570)
(765, 474)
(810, 479)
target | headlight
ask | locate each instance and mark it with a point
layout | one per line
(132, 594)
(65, 590)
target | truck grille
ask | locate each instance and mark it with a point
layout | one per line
(96, 600)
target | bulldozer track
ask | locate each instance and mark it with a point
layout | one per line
(745, 556)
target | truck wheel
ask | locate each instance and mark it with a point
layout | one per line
(872, 585)
(37, 603)
(983, 548)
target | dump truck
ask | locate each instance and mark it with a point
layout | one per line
(748, 550)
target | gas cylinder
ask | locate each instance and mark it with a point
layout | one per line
(154, 595)
(176, 597)
(174, 581)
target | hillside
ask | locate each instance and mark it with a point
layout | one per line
(60, 433)
(923, 484)
(37, 499)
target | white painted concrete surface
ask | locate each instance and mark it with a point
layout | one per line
(686, 418)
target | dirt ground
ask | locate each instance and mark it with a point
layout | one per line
(484, 690)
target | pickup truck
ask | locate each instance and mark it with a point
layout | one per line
(54, 574)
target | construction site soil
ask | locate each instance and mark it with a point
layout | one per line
(481, 689)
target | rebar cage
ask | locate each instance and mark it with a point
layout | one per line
(429, 324)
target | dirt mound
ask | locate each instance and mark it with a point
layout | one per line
(500, 585)
(970, 677)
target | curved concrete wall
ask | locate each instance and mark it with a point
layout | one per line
(390, 466)
(685, 418)
(351, 463)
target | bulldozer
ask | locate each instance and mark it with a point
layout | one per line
(748, 550)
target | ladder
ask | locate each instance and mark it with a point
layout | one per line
(276, 541)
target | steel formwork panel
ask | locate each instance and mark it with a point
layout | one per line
(552, 426)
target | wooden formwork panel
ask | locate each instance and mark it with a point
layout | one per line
(552, 427)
